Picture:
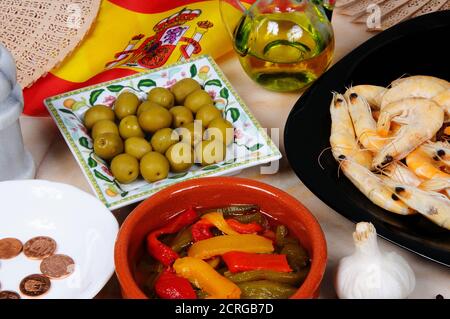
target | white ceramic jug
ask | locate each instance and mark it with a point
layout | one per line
(15, 161)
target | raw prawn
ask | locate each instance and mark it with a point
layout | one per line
(419, 86)
(342, 139)
(363, 121)
(421, 119)
(373, 187)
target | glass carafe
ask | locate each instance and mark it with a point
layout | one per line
(284, 45)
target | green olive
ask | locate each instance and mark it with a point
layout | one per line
(181, 116)
(125, 168)
(180, 157)
(197, 99)
(161, 96)
(97, 113)
(126, 104)
(129, 127)
(137, 147)
(209, 152)
(108, 145)
(221, 129)
(163, 139)
(104, 126)
(191, 133)
(145, 106)
(183, 88)
(207, 113)
(155, 118)
(154, 167)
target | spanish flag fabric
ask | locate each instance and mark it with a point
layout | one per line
(132, 36)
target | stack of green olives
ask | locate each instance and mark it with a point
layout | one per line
(168, 132)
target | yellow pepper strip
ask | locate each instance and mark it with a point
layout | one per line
(219, 245)
(216, 218)
(203, 276)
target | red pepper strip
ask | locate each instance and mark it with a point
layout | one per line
(164, 253)
(202, 230)
(170, 286)
(180, 221)
(241, 228)
(159, 251)
(239, 261)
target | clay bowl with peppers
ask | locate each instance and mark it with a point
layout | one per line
(159, 214)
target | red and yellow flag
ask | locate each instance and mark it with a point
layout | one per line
(131, 36)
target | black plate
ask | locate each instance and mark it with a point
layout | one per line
(418, 46)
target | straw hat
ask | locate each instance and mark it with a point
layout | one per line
(391, 11)
(41, 33)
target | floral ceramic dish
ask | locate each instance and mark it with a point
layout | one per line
(251, 147)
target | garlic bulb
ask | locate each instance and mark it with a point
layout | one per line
(370, 274)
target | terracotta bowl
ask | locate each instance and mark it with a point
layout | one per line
(216, 192)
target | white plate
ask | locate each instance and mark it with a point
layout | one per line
(251, 146)
(80, 224)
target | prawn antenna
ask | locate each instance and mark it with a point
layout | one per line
(384, 171)
(399, 177)
(349, 87)
(401, 77)
(320, 156)
(334, 94)
(339, 167)
(366, 104)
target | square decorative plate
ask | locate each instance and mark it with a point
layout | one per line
(251, 146)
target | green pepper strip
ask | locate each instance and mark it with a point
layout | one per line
(250, 218)
(290, 278)
(149, 283)
(296, 255)
(280, 235)
(182, 240)
(265, 289)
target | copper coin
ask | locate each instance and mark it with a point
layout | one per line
(10, 248)
(39, 247)
(9, 295)
(35, 285)
(57, 266)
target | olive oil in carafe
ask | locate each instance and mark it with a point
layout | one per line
(283, 51)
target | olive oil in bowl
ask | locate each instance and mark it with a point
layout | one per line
(285, 51)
